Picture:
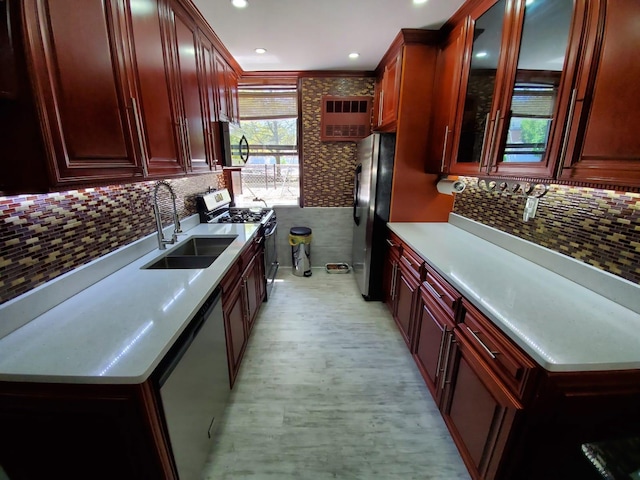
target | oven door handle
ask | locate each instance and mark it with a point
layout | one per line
(272, 231)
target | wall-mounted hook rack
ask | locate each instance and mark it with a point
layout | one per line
(514, 187)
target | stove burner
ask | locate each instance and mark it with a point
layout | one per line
(241, 215)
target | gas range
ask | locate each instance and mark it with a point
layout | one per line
(214, 208)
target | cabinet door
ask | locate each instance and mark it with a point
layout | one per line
(391, 89)
(81, 76)
(479, 412)
(433, 342)
(234, 309)
(158, 110)
(537, 82)
(406, 291)
(192, 120)
(222, 82)
(252, 289)
(446, 99)
(603, 144)
(471, 134)
(8, 73)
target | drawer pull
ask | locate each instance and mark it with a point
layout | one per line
(474, 334)
(432, 289)
(391, 244)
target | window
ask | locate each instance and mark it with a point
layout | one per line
(532, 108)
(269, 122)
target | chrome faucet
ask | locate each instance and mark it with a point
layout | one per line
(162, 243)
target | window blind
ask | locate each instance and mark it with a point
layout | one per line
(264, 104)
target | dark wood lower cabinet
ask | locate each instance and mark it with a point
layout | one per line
(478, 410)
(83, 431)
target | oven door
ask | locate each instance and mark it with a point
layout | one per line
(270, 255)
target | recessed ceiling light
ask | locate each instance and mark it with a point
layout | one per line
(419, 2)
(354, 55)
(481, 54)
(529, 2)
(261, 50)
(239, 3)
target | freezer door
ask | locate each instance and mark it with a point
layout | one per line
(363, 212)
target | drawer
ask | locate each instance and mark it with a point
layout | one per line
(411, 261)
(440, 291)
(514, 367)
(394, 244)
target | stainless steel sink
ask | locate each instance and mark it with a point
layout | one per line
(197, 252)
(203, 246)
(181, 261)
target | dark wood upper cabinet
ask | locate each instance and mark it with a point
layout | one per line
(602, 144)
(527, 121)
(158, 110)
(82, 89)
(192, 90)
(8, 72)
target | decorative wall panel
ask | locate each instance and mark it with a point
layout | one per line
(44, 236)
(598, 227)
(327, 174)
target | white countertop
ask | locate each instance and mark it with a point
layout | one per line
(559, 323)
(118, 329)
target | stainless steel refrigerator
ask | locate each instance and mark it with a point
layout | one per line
(371, 206)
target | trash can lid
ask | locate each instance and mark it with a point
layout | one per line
(301, 231)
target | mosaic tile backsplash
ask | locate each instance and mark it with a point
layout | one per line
(328, 166)
(598, 227)
(44, 236)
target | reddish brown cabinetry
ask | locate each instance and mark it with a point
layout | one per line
(243, 290)
(388, 93)
(112, 92)
(602, 144)
(82, 93)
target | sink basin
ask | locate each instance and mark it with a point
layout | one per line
(197, 252)
(203, 246)
(181, 261)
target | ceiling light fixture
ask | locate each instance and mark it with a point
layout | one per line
(353, 55)
(239, 3)
(481, 54)
(529, 2)
(419, 2)
(261, 50)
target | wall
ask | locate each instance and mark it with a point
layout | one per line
(598, 227)
(44, 236)
(327, 175)
(332, 232)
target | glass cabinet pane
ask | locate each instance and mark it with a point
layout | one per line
(487, 37)
(543, 47)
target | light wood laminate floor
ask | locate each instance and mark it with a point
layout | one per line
(327, 389)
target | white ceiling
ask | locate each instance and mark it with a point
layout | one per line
(318, 34)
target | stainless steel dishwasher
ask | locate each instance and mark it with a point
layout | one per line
(194, 387)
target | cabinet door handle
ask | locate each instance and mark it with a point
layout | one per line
(496, 123)
(185, 130)
(488, 350)
(394, 276)
(136, 122)
(484, 140)
(380, 109)
(432, 289)
(246, 297)
(446, 363)
(442, 339)
(444, 147)
(565, 140)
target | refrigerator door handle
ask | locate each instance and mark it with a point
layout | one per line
(356, 194)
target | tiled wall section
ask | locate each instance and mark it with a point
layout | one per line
(332, 231)
(598, 227)
(44, 236)
(328, 166)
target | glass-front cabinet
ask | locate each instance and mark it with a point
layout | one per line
(522, 57)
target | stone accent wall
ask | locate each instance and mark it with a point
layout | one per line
(598, 227)
(327, 166)
(44, 236)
